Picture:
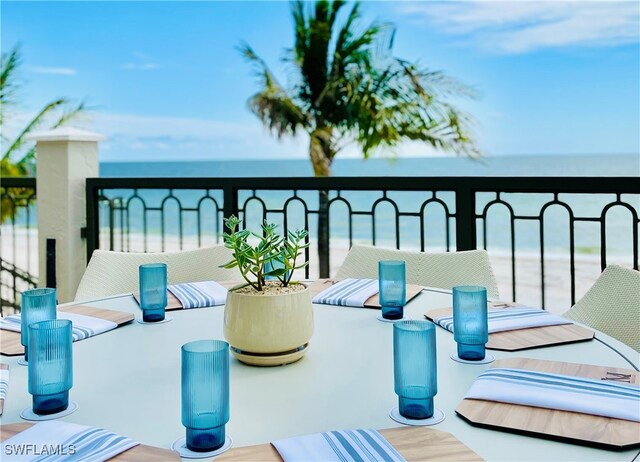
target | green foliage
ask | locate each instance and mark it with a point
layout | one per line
(18, 155)
(271, 250)
(18, 158)
(347, 86)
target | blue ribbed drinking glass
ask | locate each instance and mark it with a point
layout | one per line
(50, 365)
(37, 305)
(392, 283)
(205, 393)
(153, 291)
(271, 265)
(470, 322)
(414, 367)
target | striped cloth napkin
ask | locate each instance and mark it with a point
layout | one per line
(555, 391)
(82, 326)
(4, 382)
(339, 446)
(59, 441)
(199, 294)
(348, 292)
(512, 319)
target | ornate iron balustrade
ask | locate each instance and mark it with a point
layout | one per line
(421, 213)
(19, 262)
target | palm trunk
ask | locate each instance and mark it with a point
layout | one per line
(321, 153)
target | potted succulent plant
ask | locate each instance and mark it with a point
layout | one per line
(268, 320)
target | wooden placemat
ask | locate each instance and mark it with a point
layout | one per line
(139, 453)
(553, 424)
(522, 339)
(372, 302)
(10, 341)
(414, 443)
(3, 366)
(174, 304)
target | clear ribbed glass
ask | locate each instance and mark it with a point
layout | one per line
(205, 393)
(50, 365)
(414, 367)
(392, 283)
(37, 305)
(470, 321)
(153, 291)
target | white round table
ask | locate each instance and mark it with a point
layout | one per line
(128, 381)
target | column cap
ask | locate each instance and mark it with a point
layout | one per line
(66, 134)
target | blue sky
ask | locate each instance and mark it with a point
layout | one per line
(167, 83)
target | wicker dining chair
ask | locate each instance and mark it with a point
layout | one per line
(612, 305)
(112, 273)
(441, 270)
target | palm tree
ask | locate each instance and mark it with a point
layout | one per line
(18, 155)
(348, 87)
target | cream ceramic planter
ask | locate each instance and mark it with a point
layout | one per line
(268, 330)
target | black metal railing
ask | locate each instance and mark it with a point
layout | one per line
(517, 219)
(19, 262)
(14, 281)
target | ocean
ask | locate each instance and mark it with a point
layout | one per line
(526, 165)
(556, 219)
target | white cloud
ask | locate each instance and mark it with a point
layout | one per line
(141, 62)
(132, 137)
(52, 70)
(140, 66)
(522, 26)
(137, 137)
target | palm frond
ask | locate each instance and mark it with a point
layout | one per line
(336, 5)
(32, 125)
(278, 112)
(71, 114)
(8, 83)
(260, 68)
(313, 64)
(356, 49)
(393, 105)
(436, 82)
(27, 161)
(300, 30)
(273, 106)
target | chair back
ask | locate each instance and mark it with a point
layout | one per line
(112, 273)
(441, 270)
(612, 305)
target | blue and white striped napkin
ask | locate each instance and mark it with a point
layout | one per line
(339, 446)
(4, 381)
(348, 292)
(59, 441)
(82, 326)
(555, 391)
(512, 319)
(199, 294)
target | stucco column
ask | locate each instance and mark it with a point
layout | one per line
(65, 158)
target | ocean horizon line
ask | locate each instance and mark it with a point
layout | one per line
(545, 165)
(390, 158)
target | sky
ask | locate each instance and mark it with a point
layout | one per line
(166, 82)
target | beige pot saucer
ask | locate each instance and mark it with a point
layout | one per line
(264, 359)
